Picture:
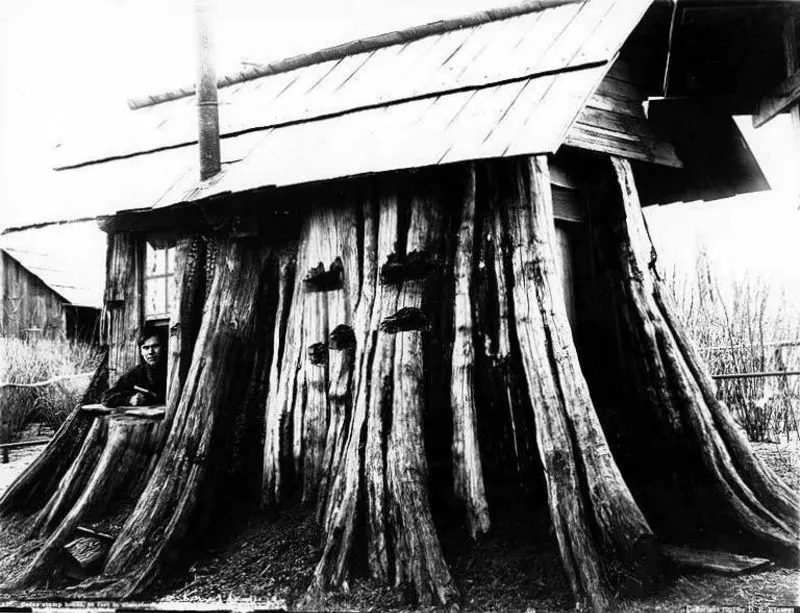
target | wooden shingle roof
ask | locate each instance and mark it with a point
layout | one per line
(501, 87)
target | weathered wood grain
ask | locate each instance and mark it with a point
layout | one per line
(123, 303)
(467, 471)
(277, 424)
(162, 513)
(759, 503)
(613, 121)
(418, 559)
(114, 456)
(342, 509)
(28, 307)
(719, 562)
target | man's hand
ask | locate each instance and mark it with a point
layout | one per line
(137, 399)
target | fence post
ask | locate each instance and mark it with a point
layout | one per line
(5, 435)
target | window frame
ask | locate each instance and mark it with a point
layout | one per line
(162, 247)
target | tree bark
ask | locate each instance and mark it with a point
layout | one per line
(341, 512)
(114, 457)
(277, 425)
(163, 512)
(352, 384)
(418, 558)
(36, 485)
(341, 342)
(758, 502)
(383, 451)
(603, 536)
(190, 260)
(116, 453)
(467, 470)
(379, 385)
(504, 417)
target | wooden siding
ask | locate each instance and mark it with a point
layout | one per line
(568, 204)
(614, 122)
(564, 255)
(123, 303)
(28, 306)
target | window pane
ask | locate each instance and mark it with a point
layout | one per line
(155, 297)
(155, 264)
(170, 260)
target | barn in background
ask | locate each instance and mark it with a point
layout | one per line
(51, 281)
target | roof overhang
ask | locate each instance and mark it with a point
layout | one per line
(507, 86)
(727, 54)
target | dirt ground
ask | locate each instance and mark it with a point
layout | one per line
(267, 561)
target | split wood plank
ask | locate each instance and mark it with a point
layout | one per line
(150, 412)
(720, 562)
(23, 444)
(100, 535)
(97, 409)
(146, 412)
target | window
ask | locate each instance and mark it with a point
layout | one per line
(159, 280)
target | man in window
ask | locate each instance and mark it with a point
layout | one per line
(145, 384)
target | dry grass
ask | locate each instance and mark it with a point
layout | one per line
(744, 326)
(26, 362)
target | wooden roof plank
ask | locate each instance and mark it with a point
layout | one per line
(622, 15)
(603, 102)
(426, 66)
(499, 57)
(563, 102)
(501, 88)
(465, 135)
(525, 107)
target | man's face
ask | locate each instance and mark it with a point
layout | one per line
(151, 351)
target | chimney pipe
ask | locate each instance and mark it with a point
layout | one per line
(207, 105)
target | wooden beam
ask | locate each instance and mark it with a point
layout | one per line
(100, 535)
(23, 444)
(2, 293)
(788, 92)
(719, 562)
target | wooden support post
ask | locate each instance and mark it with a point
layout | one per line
(2, 293)
(4, 429)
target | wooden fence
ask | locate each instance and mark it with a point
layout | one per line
(6, 400)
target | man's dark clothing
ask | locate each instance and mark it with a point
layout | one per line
(153, 379)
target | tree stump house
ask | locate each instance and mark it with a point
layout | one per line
(422, 271)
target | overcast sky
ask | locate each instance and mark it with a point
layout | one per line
(66, 63)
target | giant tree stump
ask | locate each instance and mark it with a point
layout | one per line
(674, 384)
(113, 465)
(395, 302)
